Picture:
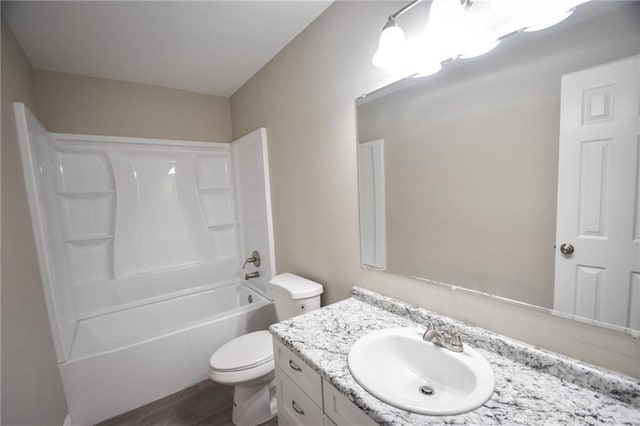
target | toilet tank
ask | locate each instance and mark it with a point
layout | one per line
(294, 295)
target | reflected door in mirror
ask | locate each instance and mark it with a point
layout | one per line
(598, 195)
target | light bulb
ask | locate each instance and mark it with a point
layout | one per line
(426, 68)
(421, 61)
(508, 7)
(544, 22)
(441, 35)
(391, 46)
(479, 47)
(535, 15)
(475, 39)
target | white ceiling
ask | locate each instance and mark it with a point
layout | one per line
(208, 47)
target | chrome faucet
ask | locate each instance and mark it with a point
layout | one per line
(453, 342)
(255, 274)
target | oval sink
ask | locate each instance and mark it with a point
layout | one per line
(401, 369)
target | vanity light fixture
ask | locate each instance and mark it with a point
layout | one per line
(463, 29)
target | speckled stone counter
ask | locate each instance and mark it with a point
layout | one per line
(532, 386)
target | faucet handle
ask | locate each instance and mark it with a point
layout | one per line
(429, 325)
(456, 341)
(255, 259)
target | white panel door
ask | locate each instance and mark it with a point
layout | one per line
(598, 190)
(373, 235)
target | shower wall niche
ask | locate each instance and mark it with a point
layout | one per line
(122, 222)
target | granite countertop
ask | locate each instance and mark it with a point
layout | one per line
(532, 386)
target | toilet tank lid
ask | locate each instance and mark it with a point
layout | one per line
(298, 287)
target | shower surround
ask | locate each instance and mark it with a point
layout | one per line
(140, 245)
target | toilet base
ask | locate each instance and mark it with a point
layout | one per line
(254, 404)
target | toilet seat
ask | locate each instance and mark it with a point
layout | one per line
(245, 359)
(243, 353)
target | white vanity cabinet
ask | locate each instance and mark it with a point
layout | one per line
(304, 398)
(294, 406)
(340, 410)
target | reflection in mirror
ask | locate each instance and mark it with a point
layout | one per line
(516, 173)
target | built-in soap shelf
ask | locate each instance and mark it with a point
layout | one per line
(88, 218)
(93, 208)
(87, 198)
(88, 194)
(221, 225)
(212, 189)
(80, 239)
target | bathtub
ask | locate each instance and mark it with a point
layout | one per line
(122, 360)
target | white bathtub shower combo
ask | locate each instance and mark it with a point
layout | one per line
(140, 245)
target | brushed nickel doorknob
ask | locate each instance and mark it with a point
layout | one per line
(567, 249)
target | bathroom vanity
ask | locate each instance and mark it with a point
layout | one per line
(532, 386)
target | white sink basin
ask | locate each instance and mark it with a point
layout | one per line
(395, 364)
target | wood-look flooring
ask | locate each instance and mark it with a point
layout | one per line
(204, 404)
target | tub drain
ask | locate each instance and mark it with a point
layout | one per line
(426, 390)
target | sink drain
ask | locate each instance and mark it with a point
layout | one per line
(426, 390)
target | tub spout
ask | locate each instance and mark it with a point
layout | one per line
(255, 274)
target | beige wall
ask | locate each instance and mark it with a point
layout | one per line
(305, 97)
(31, 386)
(471, 160)
(70, 103)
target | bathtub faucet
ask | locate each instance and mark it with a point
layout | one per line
(255, 274)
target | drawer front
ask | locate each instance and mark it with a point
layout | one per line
(342, 411)
(304, 376)
(295, 408)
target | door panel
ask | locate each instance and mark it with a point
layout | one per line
(598, 194)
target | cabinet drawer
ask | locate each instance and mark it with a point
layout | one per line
(341, 410)
(295, 408)
(303, 375)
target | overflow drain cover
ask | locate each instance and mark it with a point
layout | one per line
(426, 390)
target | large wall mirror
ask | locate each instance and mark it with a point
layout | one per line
(515, 173)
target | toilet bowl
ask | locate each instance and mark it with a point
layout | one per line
(247, 361)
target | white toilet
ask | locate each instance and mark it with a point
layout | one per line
(247, 361)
